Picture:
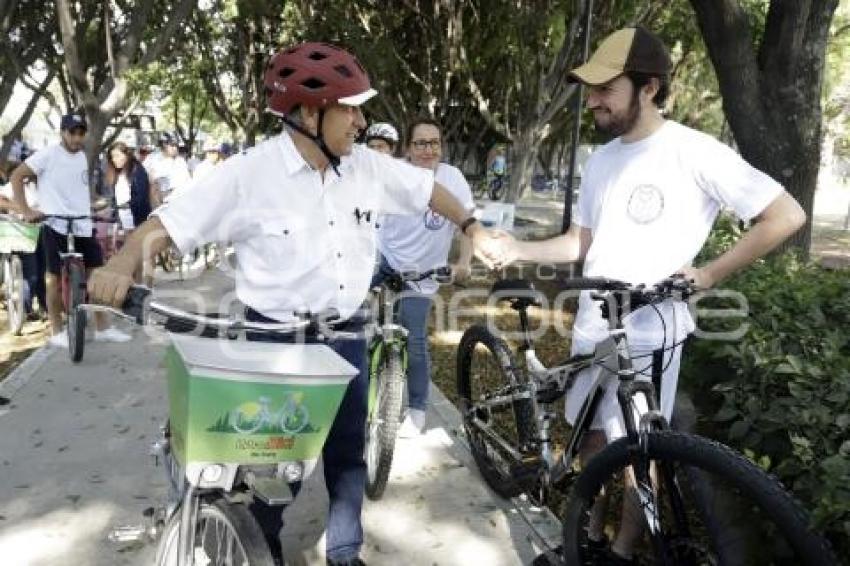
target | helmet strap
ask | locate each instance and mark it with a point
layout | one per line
(318, 139)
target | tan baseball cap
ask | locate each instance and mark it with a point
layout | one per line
(629, 49)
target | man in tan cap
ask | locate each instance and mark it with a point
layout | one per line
(647, 204)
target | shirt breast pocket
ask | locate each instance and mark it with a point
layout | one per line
(282, 243)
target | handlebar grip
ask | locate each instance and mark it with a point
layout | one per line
(595, 284)
(134, 302)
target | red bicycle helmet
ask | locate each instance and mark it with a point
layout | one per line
(314, 74)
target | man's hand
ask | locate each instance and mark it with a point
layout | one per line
(496, 248)
(699, 276)
(109, 284)
(460, 272)
(31, 215)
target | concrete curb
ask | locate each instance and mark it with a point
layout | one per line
(545, 528)
(24, 372)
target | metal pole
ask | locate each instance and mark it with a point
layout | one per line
(579, 96)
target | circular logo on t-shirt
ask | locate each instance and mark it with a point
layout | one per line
(85, 178)
(645, 204)
(433, 220)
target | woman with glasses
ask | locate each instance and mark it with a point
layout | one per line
(420, 243)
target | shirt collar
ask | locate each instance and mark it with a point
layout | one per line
(293, 161)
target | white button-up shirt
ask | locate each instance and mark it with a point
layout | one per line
(301, 242)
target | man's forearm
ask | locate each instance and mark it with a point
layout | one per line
(566, 248)
(778, 222)
(445, 204)
(145, 243)
(18, 194)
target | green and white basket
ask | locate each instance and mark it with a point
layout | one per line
(18, 237)
(252, 402)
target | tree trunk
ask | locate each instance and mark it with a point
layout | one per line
(771, 93)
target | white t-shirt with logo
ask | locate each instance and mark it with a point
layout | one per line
(302, 241)
(650, 206)
(423, 242)
(63, 187)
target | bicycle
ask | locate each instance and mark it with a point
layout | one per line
(214, 469)
(387, 371)
(16, 237)
(700, 502)
(72, 281)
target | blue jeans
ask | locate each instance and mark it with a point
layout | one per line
(412, 309)
(342, 457)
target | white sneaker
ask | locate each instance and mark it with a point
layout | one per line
(59, 340)
(413, 424)
(111, 334)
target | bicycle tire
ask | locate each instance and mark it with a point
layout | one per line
(382, 425)
(497, 476)
(76, 316)
(14, 278)
(234, 516)
(301, 417)
(706, 467)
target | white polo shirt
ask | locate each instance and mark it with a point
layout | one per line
(63, 187)
(302, 243)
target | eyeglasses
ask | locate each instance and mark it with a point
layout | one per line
(422, 144)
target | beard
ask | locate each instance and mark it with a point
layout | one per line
(622, 123)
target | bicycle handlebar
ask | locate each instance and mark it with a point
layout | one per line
(137, 304)
(668, 287)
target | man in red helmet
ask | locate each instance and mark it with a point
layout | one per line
(301, 211)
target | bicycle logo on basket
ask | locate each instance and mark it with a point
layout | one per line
(257, 417)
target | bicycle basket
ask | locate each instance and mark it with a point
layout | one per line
(252, 402)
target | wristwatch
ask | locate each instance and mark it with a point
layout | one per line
(467, 223)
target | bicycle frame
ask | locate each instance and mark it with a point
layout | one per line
(544, 386)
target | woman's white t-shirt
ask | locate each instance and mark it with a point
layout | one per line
(423, 242)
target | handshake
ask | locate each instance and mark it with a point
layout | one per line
(495, 248)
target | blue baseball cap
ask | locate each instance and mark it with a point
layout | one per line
(72, 121)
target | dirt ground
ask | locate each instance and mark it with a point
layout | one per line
(15, 349)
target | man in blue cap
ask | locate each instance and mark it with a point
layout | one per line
(63, 188)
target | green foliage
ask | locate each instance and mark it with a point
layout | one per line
(781, 393)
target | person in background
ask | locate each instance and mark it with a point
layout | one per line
(212, 157)
(167, 169)
(420, 243)
(127, 180)
(63, 186)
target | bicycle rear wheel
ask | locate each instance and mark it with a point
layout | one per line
(225, 534)
(14, 278)
(383, 421)
(486, 370)
(76, 317)
(711, 505)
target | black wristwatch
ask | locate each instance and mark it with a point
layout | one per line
(467, 223)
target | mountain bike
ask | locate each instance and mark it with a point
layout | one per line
(216, 466)
(700, 502)
(387, 372)
(16, 237)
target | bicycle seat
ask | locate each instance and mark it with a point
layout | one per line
(519, 292)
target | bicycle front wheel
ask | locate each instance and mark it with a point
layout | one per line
(487, 380)
(383, 422)
(14, 278)
(225, 534)
(709, 505)
(76, 316)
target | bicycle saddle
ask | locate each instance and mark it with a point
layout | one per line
(519, 292)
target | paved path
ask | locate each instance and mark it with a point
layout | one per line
(74, 462)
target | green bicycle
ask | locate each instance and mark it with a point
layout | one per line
(387, 371)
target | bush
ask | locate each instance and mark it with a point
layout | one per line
(781, 394)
